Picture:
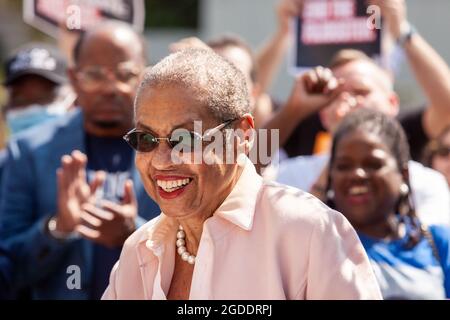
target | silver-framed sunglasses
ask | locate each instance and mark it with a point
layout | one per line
(143, 141)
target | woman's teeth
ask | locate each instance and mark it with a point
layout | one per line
(172, 185)
(357, 190)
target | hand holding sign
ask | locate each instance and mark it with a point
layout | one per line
(394, 13)
(286, 10)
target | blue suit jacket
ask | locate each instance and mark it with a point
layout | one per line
(5, 274)
(2, 163)
(29, 198)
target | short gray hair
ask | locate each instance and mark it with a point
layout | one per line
(218, 84)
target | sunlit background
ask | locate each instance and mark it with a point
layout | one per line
(254, 20)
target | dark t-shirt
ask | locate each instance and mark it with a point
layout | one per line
(115, 157)
(2, 163)
(303, 139)
(412, 123)
(6, 268)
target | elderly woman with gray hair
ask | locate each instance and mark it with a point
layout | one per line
(223, 232)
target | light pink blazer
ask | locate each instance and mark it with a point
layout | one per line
(266, 241)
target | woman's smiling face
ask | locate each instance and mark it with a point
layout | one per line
(187, 188)
(365, 178)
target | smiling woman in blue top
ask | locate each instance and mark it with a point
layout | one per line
(369, 184)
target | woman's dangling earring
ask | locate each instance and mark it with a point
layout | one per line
(330, 194)
(404, 189)
(404, 204)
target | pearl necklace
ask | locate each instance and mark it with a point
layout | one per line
(181, 247)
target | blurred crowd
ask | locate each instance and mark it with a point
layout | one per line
(342, 138)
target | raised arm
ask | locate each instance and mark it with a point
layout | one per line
(311, 92)
(430, 70)
(271, 54)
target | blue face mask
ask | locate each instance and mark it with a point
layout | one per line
(24, 118)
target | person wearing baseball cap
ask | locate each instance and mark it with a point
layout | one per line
(36, 85)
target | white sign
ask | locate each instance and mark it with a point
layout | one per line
(49, 15)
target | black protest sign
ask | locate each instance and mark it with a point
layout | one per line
(327, 26)
(49, 15)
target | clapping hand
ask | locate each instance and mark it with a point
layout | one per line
(109, 223)
(79, 210)
(73, 190)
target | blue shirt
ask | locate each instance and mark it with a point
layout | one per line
(115, 157)
(2, 163)
(411, 273)
(6, 267)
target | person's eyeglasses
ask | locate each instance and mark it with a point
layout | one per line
(142, 141)
(442, 151)
(94, 77)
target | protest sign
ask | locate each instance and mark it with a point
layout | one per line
(51, 15)
(327, 26)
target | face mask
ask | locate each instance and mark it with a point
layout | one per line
(24, 118)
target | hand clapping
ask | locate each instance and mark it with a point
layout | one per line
(110, 224)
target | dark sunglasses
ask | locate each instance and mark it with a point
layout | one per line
(142, 141)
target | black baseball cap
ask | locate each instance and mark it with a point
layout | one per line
(36, 59)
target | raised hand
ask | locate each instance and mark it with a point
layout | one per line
(314, 90)
(394, 13)
(109, 223)
(73, 190)
(286, 10)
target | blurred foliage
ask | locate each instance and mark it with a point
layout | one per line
(17, 7)
(13, 4)
(172, 14)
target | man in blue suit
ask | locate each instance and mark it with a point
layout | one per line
(2, 164)
(70, 192)
(5, 274)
